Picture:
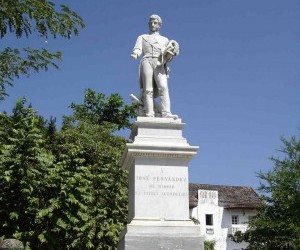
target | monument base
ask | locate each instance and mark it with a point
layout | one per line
(163, 235)
(157, 161)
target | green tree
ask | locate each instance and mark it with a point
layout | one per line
(277, 223)
(73, 193)
(99, 110)
(91, 206)
(25, 168)
(22, 17)
(89, 209)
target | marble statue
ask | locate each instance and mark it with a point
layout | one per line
(157, 51)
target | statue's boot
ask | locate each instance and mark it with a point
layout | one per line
(169, 115)
(165, 104)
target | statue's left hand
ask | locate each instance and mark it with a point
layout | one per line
(175, 47)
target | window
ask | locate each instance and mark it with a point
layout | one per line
(209, 219)
(235, 219)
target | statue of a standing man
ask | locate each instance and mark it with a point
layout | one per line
(157, 51)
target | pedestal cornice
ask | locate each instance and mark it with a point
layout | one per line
(134, 151)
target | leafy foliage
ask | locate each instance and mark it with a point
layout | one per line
(22, 17)
(15, 62)
(99, 110)
(209, 245)
(277, 223)
(25, 165)
(70, 193)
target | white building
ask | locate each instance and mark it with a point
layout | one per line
(222, 210)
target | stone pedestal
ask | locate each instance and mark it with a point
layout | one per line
(157, 161)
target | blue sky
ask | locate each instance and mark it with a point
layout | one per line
(235, 83)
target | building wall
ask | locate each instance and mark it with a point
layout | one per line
(222, 220)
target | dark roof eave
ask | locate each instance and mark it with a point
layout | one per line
(242, 207)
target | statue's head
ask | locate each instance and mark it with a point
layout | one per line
(154, 23)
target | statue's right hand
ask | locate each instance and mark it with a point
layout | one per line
(134, 56)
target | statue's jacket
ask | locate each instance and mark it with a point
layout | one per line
(152, 46)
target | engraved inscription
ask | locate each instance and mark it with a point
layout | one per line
(161, 185)
(161, 155)
(161, 178)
